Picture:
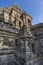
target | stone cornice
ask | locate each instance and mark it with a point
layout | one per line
(40, 25)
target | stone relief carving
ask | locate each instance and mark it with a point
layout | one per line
(22, 48)
(6, 43)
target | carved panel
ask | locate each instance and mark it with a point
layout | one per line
(6, 17)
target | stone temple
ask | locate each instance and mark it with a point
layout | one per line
(21, 43)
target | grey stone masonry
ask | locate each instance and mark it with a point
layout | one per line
(21, 43)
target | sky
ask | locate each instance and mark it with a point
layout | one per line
(33, 7)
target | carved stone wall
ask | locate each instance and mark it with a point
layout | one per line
(15, 16)
(20, 42)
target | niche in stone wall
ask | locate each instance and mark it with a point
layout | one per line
(8, 44)
(1, 23)
(33, 48)
(6, 17)
(14, 23)
(20, 24)
(29, 22)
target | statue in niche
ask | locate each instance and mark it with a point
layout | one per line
(1, 23)
(8, 44)
(5, 44)
(14, 23)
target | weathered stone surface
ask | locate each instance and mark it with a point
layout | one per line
(21, 43)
